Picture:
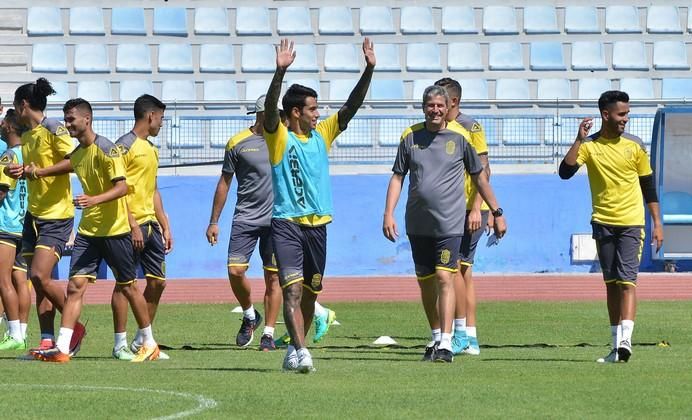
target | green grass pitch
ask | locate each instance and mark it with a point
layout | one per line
(537, 360)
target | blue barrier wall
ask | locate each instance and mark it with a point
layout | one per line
(542, 212)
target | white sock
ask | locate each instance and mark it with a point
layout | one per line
(320, 310)
(15, 330)
(445, 341)
(627, 326)
(147, 336)
(471, 331)
(138, 338)
(120, 340)
(64, 338)
(460, 324)
(436, 334)
(23, 326)
(249, 313)
(268, 331)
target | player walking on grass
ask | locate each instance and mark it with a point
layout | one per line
(151, 232)
(104, 232)
(302, 192)
(48, 222)
(437, 155)
(14, 290)
(478, 220)
(621, 179)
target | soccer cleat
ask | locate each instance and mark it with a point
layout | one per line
(443, 356)
(283, 341)
(473, 348)
(123, 353)
(460, 342)
(146, 353)
(78, 334)
(290, 361)
(612, 357)
(305, 362)
(267, 343)
(247, 330)
(53, 356)
(9, 343)
(430, 351)
(322, 324)
(624, 350)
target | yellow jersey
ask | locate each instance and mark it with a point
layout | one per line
(473, 131)
(141, 160)
(46, 145)
(98, 166)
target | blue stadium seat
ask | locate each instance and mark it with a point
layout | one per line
(473, 89)
(294, 20)
(376, 20)
(86, 21)
(458, 20)
(335, 20)
(44, 21)
(540, 20)
(91, 58)
(389, 131)
(464, 56)
(663, 20)
(520, 131)
(94, 90)
(670, 55)
(49, 58)
(423, 56)
(175, 58)
(676, 88)
(417, 20)
(178, 90)
(133, 58)
(170, 21)
(499, 20)
(554, 89)
(581, 20)
(254, 88)
(339, 89)
(419, 86)
(133, 89)
(341, 57)
(258, 58)
(547, 56)
(220, 90)
(638, 88)
(311, 83)
(588, 55)
(629, 55)
(62, 92)
(622, 20)
(593, 88)
(252, 21)
(511, 89)
(359, 134)
(211, 21)
(382, 89)
(505, 56)
(128, 21)
(216, 58)
(387, 57)
(306, 59)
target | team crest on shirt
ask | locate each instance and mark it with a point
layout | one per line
(475, 127)
(445, 256)
(5, 159)
(61, 131)
(114, 152)
(450, 147)
(316, 281)
(628, 153)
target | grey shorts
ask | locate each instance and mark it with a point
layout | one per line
(244, 237)
(619, 252)
(432, 254)
(469, 241)
(301, 252)
(13, 241)
(152, 258)
(89, 251)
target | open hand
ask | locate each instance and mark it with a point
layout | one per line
(285, 54)
(584, 128)
(369, 52)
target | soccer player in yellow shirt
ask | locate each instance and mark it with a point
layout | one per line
(621, 180)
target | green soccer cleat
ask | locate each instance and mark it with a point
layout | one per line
(283, 341)
(123, 353)
(9, 343)
(322, 324)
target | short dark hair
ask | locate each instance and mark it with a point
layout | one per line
(81, 104)
(35, 93)
(13, 119)
(145, 104)
(453, 87)
(611, 97)
(295, 97)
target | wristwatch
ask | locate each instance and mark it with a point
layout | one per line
(497, 212)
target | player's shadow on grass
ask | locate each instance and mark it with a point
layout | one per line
(411, 358)
(533, 359)
(230, 369)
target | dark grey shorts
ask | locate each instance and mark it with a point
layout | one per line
(301, 253)
(13, 241)
(469, 241)
(88, 252)
(619, 251)
(432, 254)
(47, 234)
(152, 258)
(242, 244)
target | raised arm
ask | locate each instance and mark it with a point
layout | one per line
(285, 54)
(357, 96)
(569, 165)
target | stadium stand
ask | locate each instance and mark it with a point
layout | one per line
(216, 58)
(464, 56)
(335, 20)
(91, 58)
(127, 21)
(86, 21)
(458, 20)
(211, 21)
